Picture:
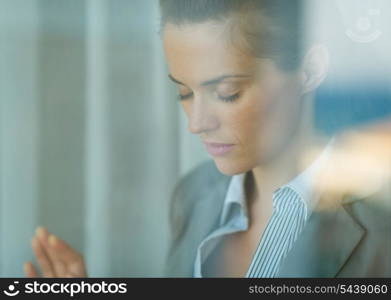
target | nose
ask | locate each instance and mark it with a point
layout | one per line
(201, 117)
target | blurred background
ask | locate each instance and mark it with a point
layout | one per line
(93, 140)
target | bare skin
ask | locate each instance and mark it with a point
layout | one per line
(268, 124)
(55, 257)
(261, 122)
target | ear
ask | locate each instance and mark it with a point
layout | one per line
(314, 68)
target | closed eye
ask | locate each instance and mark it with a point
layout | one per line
(184, 97)
(226, 99)
(230, 98)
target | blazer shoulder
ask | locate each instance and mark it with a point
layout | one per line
(372, 213)
(372, 256)
(205, 173)
(194, 185)
(194, 206)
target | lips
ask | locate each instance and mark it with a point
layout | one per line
(218, 149)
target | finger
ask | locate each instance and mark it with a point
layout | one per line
(72, 259)
(57, 264)
(30, 270)
(63, 249)
(42, 234)
(73, 275)
(59, 250)
(42, 258)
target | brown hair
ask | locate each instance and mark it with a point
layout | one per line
(268, 28)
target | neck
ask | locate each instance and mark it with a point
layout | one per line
(269, 177)
(264, 179)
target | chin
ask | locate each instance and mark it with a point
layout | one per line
(231, 167)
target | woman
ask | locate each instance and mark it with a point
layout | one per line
(247, 89)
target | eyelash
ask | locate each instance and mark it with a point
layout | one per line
(225, 99)
(184, 97)
(230, 98)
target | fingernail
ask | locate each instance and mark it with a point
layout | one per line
(52, 240)
(40, 231)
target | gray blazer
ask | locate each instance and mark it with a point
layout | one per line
(350, 239)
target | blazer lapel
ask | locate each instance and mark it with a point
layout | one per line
(324, 245)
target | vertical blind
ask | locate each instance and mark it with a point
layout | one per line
(92, 138)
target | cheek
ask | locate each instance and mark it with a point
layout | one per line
(259, 115)
(245, 121)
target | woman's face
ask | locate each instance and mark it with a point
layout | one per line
(244, 109)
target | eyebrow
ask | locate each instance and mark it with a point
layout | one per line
(212, 81)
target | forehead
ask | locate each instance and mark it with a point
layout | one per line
(197, 52)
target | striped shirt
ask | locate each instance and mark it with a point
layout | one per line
(292, 206)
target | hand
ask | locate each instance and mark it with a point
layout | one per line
(55, 257)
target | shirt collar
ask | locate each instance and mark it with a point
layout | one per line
(235, 196)
(302, 184)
